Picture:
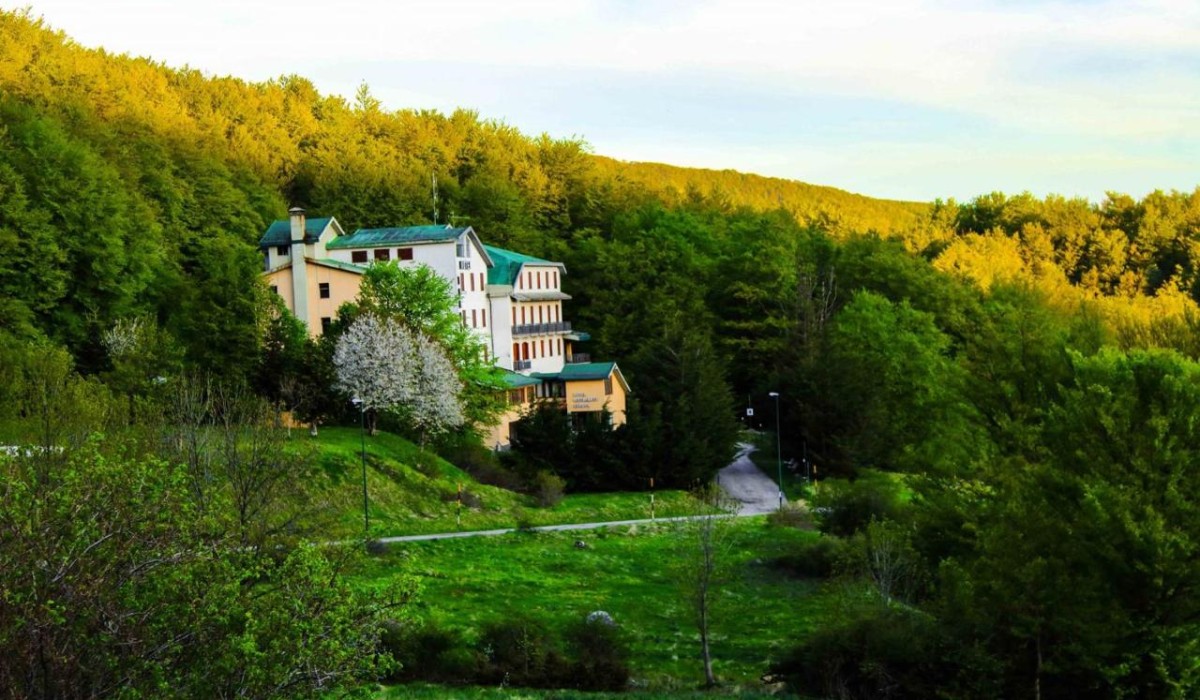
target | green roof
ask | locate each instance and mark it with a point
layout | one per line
(340, 264)
(581, 371)
(383, 237)
(516, 381)
(507, 265)
(280, 231)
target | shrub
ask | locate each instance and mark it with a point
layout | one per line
(601, 655)
(522, 653)
(880, 652)
(427, 652)
(843, 507)
(548, 489)
(794, 515)
(820, 557)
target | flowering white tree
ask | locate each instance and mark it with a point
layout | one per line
(390, 368)
(436, 405)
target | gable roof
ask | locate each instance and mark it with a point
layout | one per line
(392, 235)
(585, 371)
(323, 262)
(516, 381)
(507, 265)
(280, 231)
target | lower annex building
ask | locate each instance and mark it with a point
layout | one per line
(512, 301)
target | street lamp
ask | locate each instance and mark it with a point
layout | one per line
(362, 436)
(778, 447)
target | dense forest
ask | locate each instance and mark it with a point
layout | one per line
(1027, 364)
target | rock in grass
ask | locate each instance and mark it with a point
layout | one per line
(599, 617)
(580, 544)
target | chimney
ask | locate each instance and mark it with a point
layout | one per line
(297, 217)
(299, 267)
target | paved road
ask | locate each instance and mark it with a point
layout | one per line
(755, 491)
(540, 528)
(746, 483)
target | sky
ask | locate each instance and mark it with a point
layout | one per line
(905, 99)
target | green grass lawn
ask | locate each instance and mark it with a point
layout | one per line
(760, 611)
(405, 500)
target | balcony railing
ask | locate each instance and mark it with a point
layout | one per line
(519, 365)
(579, 358)
(540, 328)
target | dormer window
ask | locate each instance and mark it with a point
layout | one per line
(281, 249)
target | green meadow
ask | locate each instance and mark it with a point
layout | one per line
(629, 572)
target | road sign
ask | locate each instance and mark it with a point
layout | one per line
(750, 412)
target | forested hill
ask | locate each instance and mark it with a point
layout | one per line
(131, 188)
(827, 207)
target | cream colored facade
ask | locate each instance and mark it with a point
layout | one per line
(328, 288)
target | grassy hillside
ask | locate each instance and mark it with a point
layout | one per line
(629, 573)
(408, 499)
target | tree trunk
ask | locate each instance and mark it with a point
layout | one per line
(706, 654)
(1037, 674)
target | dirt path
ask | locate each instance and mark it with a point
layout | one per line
(748, 485)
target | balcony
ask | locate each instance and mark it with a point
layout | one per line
(522, 365)
(579, 358)
(542, 328)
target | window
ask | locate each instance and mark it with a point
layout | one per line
(483, 314)
(474, 318)
(482, 282)
(281, 249)
(323, 290)
(274, 289)
(543, 348)
(524, 351)
(404, 253)
(514, 315)
(516, 352)
(383, 254)
(608, 385)
(358, 256)
(560, 346)
(555, 285)
(472, 283)
(460, 248)
(540, 318)
(462, 285)
(463, 313)
(539, 280)
(522, 315)
(325, 323)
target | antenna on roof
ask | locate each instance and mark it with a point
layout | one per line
(433, 180)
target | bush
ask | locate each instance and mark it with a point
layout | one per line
(815, 558)
(481, 463)
(880, 652)
(427, 652)
(548, 489)
(794, 515)
(601, 656)
(522, 653)
(843, 507)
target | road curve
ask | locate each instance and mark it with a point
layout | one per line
(755, 492)
(748, 485)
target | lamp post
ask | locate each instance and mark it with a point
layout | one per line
(778, 447)
(362, 436)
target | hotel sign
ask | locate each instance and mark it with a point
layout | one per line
(583, 401)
